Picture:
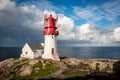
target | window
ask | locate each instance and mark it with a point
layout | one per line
(26, 52)
(42, 52)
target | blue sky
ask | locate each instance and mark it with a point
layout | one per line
(81, 22)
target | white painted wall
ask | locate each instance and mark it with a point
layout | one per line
(29, 51)
(50, 42)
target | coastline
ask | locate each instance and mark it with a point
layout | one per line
(23, 68)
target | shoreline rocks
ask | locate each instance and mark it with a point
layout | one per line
(16, 68)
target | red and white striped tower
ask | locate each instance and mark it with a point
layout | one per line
(50, 33)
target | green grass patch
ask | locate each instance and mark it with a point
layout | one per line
(20, 61)
(82, 66)
(106, 69)
(49, 68)
(87, 67)
(75, 73)
(38, 65)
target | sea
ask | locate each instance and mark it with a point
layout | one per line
(75, 52)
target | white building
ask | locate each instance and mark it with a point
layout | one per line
(31, 50)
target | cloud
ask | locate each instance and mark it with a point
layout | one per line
(19, 24)
(116, 34)
(108, 11)
(8, 41)
(23, 15)
(83, 13)
(86, 33)
(24, 23)
(92, 34)
(6, 4)
(65, 27)
(46, 5)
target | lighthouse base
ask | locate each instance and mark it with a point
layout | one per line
(50, 48)
(53, 57)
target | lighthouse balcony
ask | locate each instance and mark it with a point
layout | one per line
(50, 32)
(50, 27)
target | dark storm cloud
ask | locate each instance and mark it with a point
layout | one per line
(19, 24)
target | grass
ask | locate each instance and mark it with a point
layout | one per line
(87, 67)
(18, 62)
(106, 69)
(50, 68)
(82, 66)
(38, 65)
(75, 73)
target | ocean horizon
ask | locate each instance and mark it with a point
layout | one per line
(85, 52)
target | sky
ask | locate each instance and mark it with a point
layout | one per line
(80, 22)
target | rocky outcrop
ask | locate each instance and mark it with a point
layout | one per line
(72, 61)
(95, 64)
(25, 70)
(40, 68)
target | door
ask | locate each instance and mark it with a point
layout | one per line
(52, 50)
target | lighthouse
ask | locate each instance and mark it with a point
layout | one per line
(50, 33)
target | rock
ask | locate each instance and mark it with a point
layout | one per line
(58, 74)
(71, 61)
(116, 68)
(37, 69)
(24, 67)
(34, 61)
(21, 58)
(44, 63)
(26, 70)
(7, 61)
(97, 64)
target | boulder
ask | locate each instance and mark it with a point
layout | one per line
(98, 65)
(26, 70)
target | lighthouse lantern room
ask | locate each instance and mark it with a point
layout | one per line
(50, 33)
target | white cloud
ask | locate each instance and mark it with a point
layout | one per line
(23, 15)
(88, 14)
(116, 34)
(84, 28)
(112, 8)
(83, 13)
(109, 11)
(65, 27)
(6, 4)
(93, 34)
(90, 33)
(49, 5)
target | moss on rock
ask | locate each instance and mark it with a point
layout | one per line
(75, 73)
(39, 71)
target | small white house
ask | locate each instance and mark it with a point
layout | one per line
(31, 50)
